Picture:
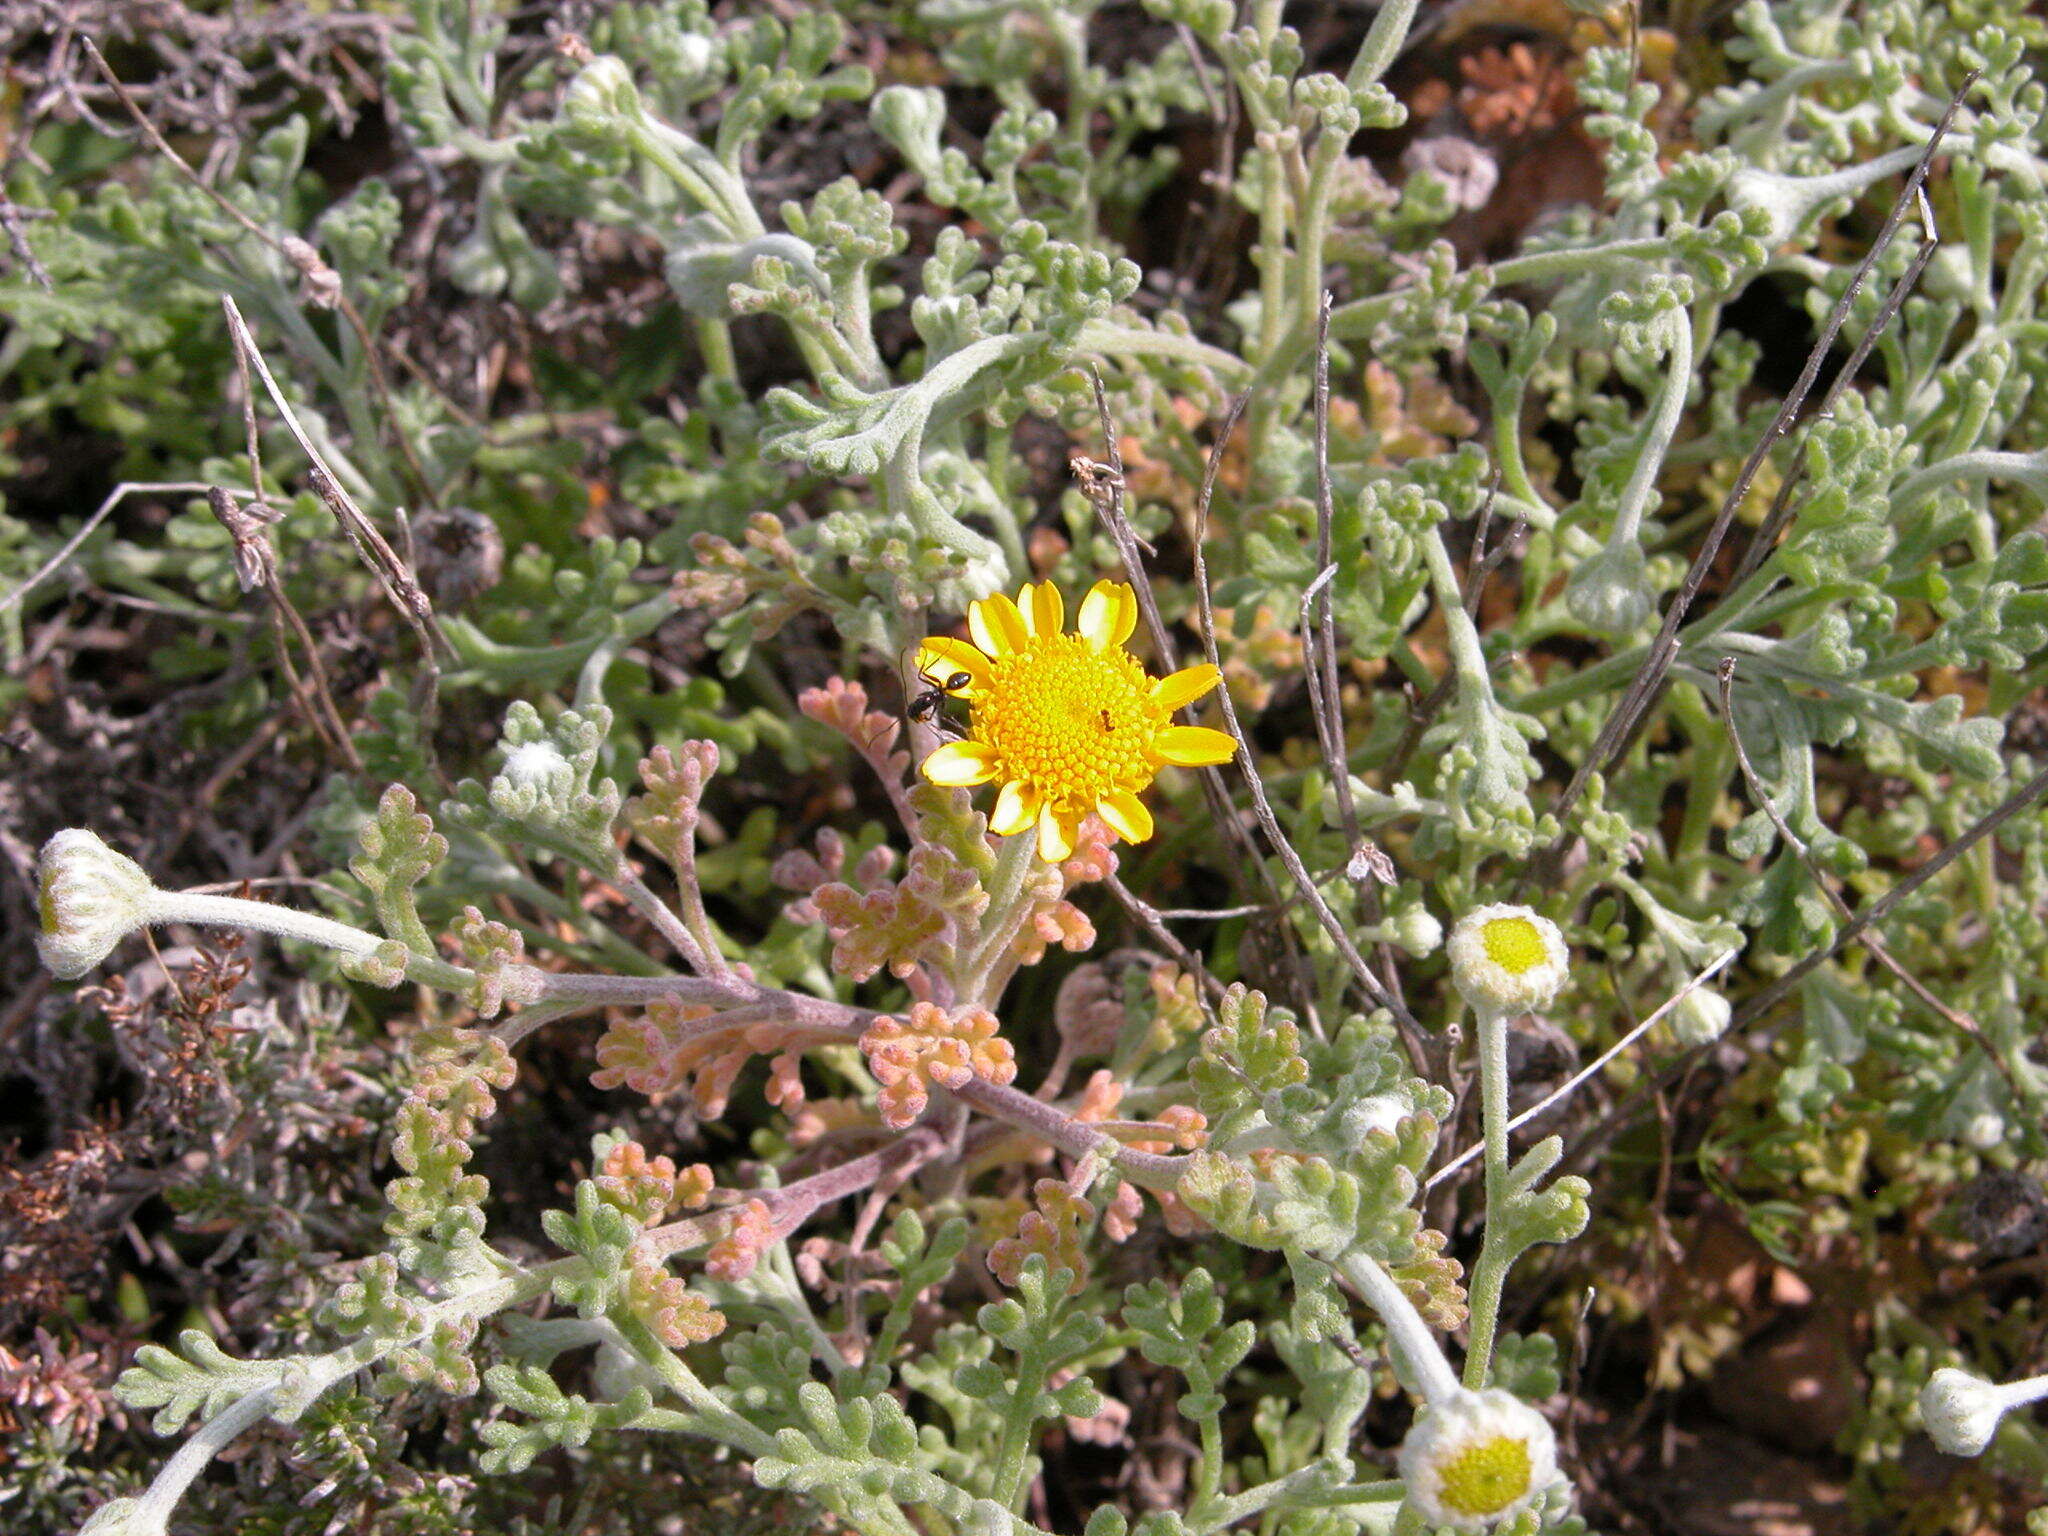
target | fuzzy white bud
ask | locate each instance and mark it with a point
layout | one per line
(1610, 591)
(1416, 929)
(1507, 960)
(89, 899)
(1700, 1017)
(1985, 1130)
(1476, 1458)
(534, 765)
(1962, 1411)
(602, 94)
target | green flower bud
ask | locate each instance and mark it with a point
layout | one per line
(1610, 592)
(1700, 1017)
(602, 95)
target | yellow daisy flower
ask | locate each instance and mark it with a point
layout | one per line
(1067, 724)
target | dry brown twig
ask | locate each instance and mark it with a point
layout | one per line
(1405, 1023)
(1761, 1003)
(398, 581)
(1765, 539)
(114, 498)
(1870, 941)
(256, 565)
(1153, 922)
(1320, 635)
(1104, 486)
(1619, 727)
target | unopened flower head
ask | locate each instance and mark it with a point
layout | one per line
(1066, 724)
(89, 899)
(1476, 1458)
(1507, 959)
(1416, 930)
(1700, 1017)
(1962, 1411)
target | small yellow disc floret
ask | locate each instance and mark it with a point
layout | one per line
(1513, 944)
(1485, 1477)
(1074, 721)
(1507, 960)
(1474, 1459)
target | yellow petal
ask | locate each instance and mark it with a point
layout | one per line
(1056, 834)
(1185, 686)
(996, 625)
(1016, 808)
(1126, 815)
(1043, 610)
(961, 764)
(942, 658)
(1108, 614)
(1193, 746)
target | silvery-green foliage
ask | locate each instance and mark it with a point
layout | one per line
(864, 484)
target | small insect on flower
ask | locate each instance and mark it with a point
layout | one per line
(1068, 724)
(926, 705)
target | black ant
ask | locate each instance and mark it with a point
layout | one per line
(926, 705)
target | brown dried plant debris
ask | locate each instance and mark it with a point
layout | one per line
(1516, 90)
(198, 70)
(61, 1212)
(64, 1388)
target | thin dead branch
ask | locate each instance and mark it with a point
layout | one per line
(99, 515)
(398, 581)
(1405, 1022)
(1781, 512)
(1106, 493)
(1870, 941)
(1620, 724)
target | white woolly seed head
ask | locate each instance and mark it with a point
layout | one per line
(533, 764)
(1379, 1112)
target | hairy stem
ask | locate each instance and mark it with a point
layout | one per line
(1489, 1272)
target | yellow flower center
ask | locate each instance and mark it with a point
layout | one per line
(1072, 720)
(1487, 1475)
(1513, 944)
